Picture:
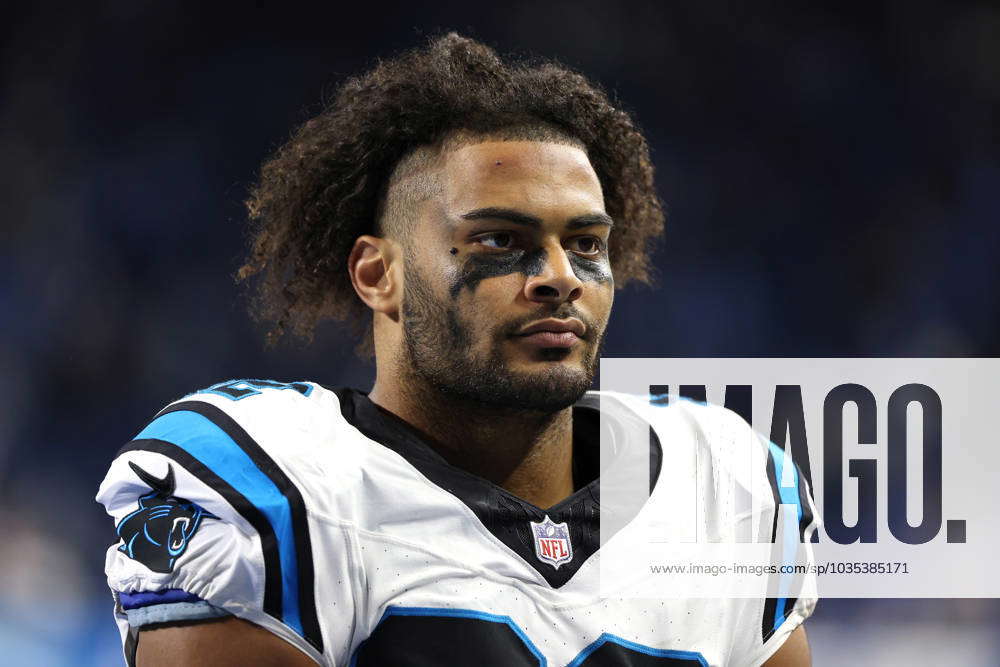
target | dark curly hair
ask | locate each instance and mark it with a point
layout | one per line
(327, 185)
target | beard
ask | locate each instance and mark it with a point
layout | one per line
(439, 348)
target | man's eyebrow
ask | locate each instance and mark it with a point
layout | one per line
(508, 214)
(590, 219)
(519, 218)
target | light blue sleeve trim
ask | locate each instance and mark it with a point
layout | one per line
(173, 612)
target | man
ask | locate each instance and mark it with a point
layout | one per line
(477, 216)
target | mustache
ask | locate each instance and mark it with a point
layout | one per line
(560, 312)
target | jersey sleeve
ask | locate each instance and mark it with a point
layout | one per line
(774, 508)
(209, 525)
(794, 521)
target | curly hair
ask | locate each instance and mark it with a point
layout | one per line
(327, 185)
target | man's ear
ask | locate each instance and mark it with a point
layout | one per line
(375, 267)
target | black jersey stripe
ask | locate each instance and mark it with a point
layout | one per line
(772, 480)
(767, 618)
(807, 513)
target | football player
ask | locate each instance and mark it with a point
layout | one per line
(473, 216)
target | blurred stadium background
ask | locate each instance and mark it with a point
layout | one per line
(831, 171)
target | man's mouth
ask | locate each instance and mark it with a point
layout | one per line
(551, 338)
(553, 333)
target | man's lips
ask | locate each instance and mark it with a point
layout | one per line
(551, 338)
(571, 324)
(553, 333)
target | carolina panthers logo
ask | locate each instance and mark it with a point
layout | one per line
(158, 532)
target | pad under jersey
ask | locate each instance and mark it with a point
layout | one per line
(328, 521)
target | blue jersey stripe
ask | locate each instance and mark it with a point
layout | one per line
(789, 496)
(218, 452)
(670, 656)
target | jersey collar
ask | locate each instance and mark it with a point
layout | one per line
(506, 516)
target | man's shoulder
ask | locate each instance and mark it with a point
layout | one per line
(247, 397)
(254, 402)
(281, 429)
(687, 430)
(245, 410)
(713, 422)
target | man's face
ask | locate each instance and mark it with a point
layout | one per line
(508, 287)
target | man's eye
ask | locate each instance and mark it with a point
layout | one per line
(499, 240)
(587, 245)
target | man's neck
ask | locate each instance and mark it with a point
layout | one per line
(527, 453)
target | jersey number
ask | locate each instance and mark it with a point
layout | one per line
(426, 637)
(237, 389)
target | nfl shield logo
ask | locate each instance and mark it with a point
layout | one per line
(552, 544)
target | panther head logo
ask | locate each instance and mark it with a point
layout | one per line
(159, 530)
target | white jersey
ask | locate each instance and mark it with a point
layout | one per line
(315, 514)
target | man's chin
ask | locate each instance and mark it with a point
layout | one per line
(556, 386)
(543, 380)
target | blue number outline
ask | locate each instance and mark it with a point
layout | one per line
(578, 661)
(253, 387)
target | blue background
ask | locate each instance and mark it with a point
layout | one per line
(830, 169)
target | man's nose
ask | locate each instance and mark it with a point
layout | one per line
(557, 282)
